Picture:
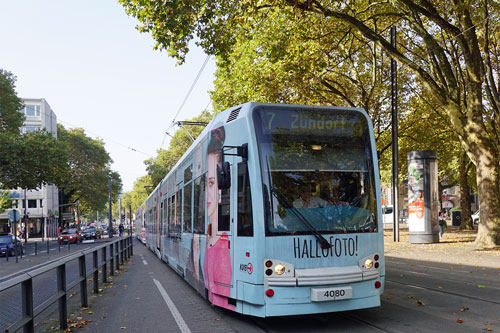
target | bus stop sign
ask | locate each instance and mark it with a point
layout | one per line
(14, 216)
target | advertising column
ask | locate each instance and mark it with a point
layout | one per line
(423, 199)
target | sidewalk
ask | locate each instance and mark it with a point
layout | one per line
(456, 247)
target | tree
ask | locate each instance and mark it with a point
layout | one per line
(450, 49)
(89, 170)
(10, 117)
(28, 160)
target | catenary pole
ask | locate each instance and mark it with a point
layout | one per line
(394, 107)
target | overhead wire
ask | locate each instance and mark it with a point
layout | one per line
(91, 132)
(230, 16)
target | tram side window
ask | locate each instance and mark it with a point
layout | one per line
(165, 216)
(188, 190)
(171, 216)
(224, 210)
(199, 205)
(178, 211)
(245, 216)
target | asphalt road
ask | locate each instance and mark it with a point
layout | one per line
(420, 295)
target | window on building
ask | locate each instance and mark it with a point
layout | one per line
(31, 110)
(32, 203)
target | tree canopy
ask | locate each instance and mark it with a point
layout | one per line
(89, 170)
(329, 51)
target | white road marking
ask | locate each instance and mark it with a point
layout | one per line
(144, 262)
(175, 313)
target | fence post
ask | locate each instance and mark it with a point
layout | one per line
(104, 266)
(111, 260)
(61, 287)
(83, 282)
(122, 259)
(96, 272)
(27, 303)
(131, 246)
(117, 258)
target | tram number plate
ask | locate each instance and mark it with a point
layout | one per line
(330, 294)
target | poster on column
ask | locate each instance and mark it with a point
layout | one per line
(416, 208)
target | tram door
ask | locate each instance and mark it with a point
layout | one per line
(218, 262)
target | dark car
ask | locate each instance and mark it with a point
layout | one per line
(69, 236)
(91, 233)
(8, 245)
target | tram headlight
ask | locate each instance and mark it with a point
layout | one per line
(368, 263)
(279, 269)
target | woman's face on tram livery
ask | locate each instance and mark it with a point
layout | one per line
(212, 188)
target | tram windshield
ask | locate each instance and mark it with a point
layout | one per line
(317, 171)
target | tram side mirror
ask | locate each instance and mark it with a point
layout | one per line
(223, 175)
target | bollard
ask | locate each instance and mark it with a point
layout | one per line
(59, 244)
(36, 249)
(48, 248)
(69, 249)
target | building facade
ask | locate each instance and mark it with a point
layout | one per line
(39, 208)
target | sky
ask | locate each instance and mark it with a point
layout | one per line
(97, 72)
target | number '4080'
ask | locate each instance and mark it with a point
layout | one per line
(335, 293)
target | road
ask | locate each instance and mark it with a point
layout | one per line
(419, 296)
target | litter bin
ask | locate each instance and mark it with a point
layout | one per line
(456, 218)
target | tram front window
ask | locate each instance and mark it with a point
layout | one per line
(317, 171)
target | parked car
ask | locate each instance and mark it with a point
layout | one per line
(475, 217)
(69, 235)
(8, 245)
(91, 233)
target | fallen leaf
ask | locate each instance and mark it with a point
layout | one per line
(123, 328)
(410, 297)
(464, 308)
(420, 303)
(481, 286)
(488, 329)
(79, 318)
(388, 298)
(90, 312)
(72, 294)
(440, 287)
(460, 321)
(217, 319)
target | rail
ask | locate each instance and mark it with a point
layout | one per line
(119, 250)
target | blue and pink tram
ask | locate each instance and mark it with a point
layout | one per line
(275, 210)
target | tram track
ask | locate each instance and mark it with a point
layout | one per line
(443, 291)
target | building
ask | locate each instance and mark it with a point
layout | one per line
(41, 205)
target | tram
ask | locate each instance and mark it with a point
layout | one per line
(275, 210)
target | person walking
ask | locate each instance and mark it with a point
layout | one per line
(442, 224)
(120, 229)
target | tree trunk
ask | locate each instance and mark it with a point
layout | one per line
(466, 223)
(488, 234)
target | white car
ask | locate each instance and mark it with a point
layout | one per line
(475, 217)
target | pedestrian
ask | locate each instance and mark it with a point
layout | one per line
(120, 229)
(442, 224)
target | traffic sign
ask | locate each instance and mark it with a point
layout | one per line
(14, 216)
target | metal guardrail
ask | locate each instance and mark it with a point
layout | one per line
(119, 251)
